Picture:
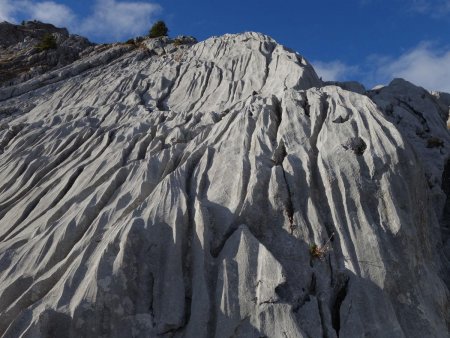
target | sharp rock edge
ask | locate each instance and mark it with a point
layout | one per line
(175, 191)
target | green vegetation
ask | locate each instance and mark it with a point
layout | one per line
(47, 42)
(158, 29)
(135, 41)
(178, 42)
(316, 251)
(320, 251)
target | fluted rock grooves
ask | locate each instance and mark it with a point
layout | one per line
(176, 191)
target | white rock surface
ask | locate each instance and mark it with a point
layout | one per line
(177, 193)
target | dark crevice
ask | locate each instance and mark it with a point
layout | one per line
(306, 106)
(215, 251)
(343, 118)
(40, 175)
(340, 290)
(318, 192)
(151, 288)
(58, 198)
(20, 170)
(279, 154)
(205, 85)
(68, 186)
(289, 207)
(92, 212)
(278, 109)
(44, 285)
(313, 284)
(105, 116)
(445, 222)
(190, 235)
(268, 62)
(28, 210)
(356, 144)
(278, 157)
(144, 145)
(278, 112)
(10, 135)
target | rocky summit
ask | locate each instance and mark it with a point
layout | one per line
(168, 188)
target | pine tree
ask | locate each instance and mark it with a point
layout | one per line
(158, 29)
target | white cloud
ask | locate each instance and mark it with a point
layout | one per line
(52, 12)
(109, 20)
(7, 11)
(119, 19)
(334, 70)
(46, 11)
(424, 65)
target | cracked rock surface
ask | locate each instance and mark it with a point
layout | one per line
(20, 59)
(176, 191)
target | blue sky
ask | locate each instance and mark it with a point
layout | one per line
(370, 41)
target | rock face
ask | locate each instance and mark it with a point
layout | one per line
(176, 191)
(20, 60)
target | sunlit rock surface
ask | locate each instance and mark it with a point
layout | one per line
(176, 191)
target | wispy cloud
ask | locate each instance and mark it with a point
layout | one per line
(109, 19)
(436, 9)
(433, 8)
(334, 70)
(8, 11)
(119, 19)
(425, 65)
(49, 11)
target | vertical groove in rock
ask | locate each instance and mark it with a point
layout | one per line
(340, 292)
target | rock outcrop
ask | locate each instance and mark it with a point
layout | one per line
(21, 60)
(177, 190)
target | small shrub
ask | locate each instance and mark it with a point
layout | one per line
(316, 251)
(47, 42)
(158, 29)
(184, 40)
(134, 41)
(178, 42)
(320, 251)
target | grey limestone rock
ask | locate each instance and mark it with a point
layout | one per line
(179, 194)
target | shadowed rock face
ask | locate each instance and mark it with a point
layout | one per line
(20, 60)
(176, 191)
